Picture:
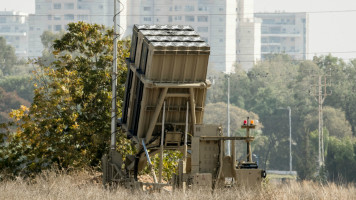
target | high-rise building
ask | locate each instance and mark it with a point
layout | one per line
(283, 32)
(54, 15)
(14, 28)
(214, 20)
(248, 36)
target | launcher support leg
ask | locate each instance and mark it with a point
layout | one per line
(161, 147)
(156, 113)
(192, 108)
(149, 161)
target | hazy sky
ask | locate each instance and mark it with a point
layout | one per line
(332, 32)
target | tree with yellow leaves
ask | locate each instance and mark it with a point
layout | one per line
(68, 123)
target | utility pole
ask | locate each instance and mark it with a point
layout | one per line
(320, 96)
(290, 138)
(228, 115)
(114, 84)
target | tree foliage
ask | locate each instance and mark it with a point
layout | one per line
(341, 159)
(48, 38)
(9, 101)
(68, 122)
(334, 121)
(279, 81)
(7, 58)
(21, 85)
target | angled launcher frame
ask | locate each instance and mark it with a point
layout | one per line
(163, 108)
(166, 74)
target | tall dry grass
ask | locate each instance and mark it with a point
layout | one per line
(85, 185)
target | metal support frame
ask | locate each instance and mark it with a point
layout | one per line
(156, 113)
(186, 133)
(161, 147)
(192, 108)
(149, 161)
(248, 126)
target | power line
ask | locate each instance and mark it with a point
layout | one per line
(197, 14)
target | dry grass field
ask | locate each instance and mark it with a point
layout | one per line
(84, 185)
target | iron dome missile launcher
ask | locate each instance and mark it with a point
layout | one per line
(163, 109)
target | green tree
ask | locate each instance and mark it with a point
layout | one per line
(48, 38)
(68, 122)
(7, 58)
(334, 121)
(23, 86)
(341, 159)
(341, 82)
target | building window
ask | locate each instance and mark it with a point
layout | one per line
(49, 17)
(69, 17)
(276, 30)
(268, 21)
(170, 19)
(69, 6)
(57, 17)
(177, 8)
(146, 8)
(5, 29)
(177, 18)
(57, 6)
(189, 18)
(189, 8)
(147, 19)
(58, 27)
(2, 19)
(83, 17)
(49, 27)
(221, 40)
(221, 9)
(101, 6)
(203, 8)
(202, 18)
(38, 6)
(203, 29)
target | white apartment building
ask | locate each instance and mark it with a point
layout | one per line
(283, 32)
(214, 20)
(54, 15)
(248, 36)
(14, 28)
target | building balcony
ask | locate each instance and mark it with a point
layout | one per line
(286, 52)
(281, 35)
(13, 33)
(271, 44)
